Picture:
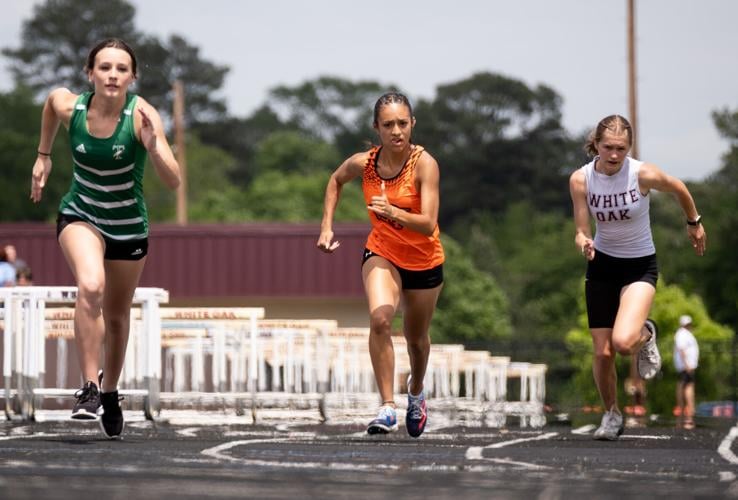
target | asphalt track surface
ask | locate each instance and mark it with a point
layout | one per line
(199, 455)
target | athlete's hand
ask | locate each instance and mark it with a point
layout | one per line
(326, 243)
(381, 205)
(148, 133)
(588, 249)
(698, 237)
(41, 171)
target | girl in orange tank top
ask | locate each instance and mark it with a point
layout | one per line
(403, 259)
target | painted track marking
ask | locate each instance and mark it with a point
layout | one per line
(727, 442)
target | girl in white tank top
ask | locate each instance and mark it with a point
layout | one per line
(613, 189)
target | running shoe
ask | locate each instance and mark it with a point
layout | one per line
(88, 401)
(111, 414)
(385, 422)
(417, 413)
(649, 359)
(611, 427)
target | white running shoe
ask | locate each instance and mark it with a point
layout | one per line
(649, 359)
(611, 427)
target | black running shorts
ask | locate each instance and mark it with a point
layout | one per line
(606, 277)
(413, 280)
(114, 249)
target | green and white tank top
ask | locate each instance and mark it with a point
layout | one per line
(107, 185)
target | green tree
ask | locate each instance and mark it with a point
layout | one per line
(330, 108)
(290, 151)
(210, 194)
(497, 141)
(472, 307)
(20, 118)
(240, 138)
(53, 53)
(296, 197)
(56, 40)
(177, 59)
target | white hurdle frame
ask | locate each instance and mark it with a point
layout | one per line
(24, 355)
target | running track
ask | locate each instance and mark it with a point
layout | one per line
(200, 455)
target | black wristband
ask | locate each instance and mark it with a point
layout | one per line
(695, 222)
(43, 154)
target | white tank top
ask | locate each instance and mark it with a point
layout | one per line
(621, 212)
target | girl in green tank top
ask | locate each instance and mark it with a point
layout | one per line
(102, 226)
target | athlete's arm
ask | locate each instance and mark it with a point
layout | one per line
(427, 178)
(583, 236)
(57, 109)
(150, 132)
(351, 168)
(652, 177)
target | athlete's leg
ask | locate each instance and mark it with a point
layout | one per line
(688, 411)
(122, 278)
(417, 314)
(382, 286)
(603, 366)
(629, 332)
(680, 397)
(83, 248)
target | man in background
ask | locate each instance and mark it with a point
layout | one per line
(686, 356)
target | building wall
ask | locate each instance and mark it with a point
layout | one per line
(276, 266)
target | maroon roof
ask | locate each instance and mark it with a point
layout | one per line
(213, 260)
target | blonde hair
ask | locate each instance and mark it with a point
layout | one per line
(614, 123)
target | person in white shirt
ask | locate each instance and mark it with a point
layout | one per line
(614, 190)
(686, 359)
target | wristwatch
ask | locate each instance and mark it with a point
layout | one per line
(695, 222)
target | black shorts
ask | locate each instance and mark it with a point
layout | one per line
(686, 378)
(114, 249)
(413, 280)
(606, 277)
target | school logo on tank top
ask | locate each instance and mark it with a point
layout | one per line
(610, 207)
(118, 150)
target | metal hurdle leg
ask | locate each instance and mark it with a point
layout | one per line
(151, 323)
(322, 348)
(9, 341)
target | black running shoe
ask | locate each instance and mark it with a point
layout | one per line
(111, 415)
(88, 401)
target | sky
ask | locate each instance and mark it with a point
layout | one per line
(687, 62)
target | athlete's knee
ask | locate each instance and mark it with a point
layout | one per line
(604, 357)
(380, 322)
(90, 292)
(625, 345)
(417, 342)
(117, 324)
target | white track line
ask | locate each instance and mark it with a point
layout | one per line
(31, 436)
(724, 448)
(477, 452)
(585, 429)
(502, 444)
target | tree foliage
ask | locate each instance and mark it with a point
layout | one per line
(497, 141)
(332, 109)
(472, 306)
(20, 118)
(54, 55)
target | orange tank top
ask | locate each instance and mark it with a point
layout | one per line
(403, 247)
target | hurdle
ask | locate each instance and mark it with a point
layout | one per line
(24, 355)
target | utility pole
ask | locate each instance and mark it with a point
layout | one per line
(632, 97)
(179, 151)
